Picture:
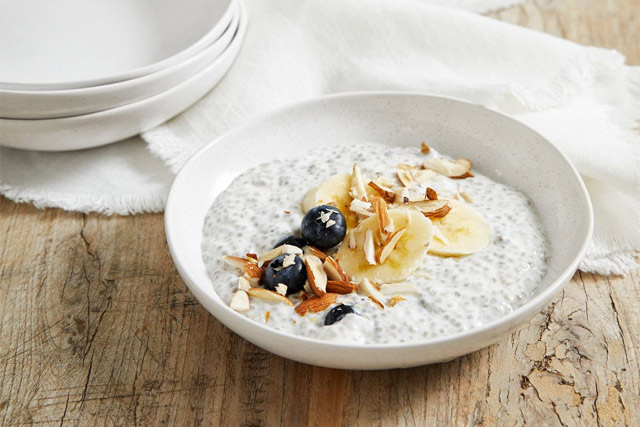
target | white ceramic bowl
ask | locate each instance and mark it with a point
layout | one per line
(50, 104)
(104, 127)
(66, 44)
(500, 147)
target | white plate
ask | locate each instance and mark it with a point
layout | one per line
(500, 147)
(65, 44)
(91, 130)
(52, 104)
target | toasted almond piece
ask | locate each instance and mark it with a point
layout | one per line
(358, 190)
(253, 271)
(424, 148)
(421, 176)
(316, 303)
(406, 166)
(432, 208)
(376, 302)
(291, 249)
(316, 274)
(289, 259)
(276, 252)
(235, 261)
(251, 257)
(310, 250)
(333, 270)
(394, 300)
(281, 289)
(385, 225)
(405, 177)
(243, 283)
(267, 295)
(390, 244)
(366, 288)
(341, 287)
(431, 194)
(369, 248)
(360, 207)
(388, 195)
(307, 287)
(352, 240)
(304, 295)
(459, 169)
(267, 314)
(402, 195)
(467, 197)
(255, 281)
(240, 301)
(399, 288)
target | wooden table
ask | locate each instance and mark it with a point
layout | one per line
(98, 328)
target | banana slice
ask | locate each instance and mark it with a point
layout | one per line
(462, 231)
(403, 259)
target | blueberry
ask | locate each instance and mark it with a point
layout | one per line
(292, 240)
(324, 227)
(337, 313)
(293, 275)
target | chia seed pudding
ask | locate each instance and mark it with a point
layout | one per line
(443, 295)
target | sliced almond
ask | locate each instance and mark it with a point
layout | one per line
(385, 224)
(276, 252)
(360, 207)
(316, 274)
(252, 271)
(406, 166)
(289, 260)
(389, 245)
(304, 295)
(352, 240)
(341, 287)
(376, 302)
(251, 257)
(421, 176)
(386, 193)
(399, 288)
(281, 289)
(235, 261)
(333, 270)
(432, 208)
(240, 301)
(310, 250)
(358, 190)
(307, 287)
(431, 194)
(402, 194)
(459, 169)
(424, 148)
(243, 283)
(405, 177)
(369, 248)
(267, 295)
(394, 300)
(316, 303)
(366, 288)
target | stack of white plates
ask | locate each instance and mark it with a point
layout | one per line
(77, 74)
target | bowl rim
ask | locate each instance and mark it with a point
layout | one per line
(511, 318)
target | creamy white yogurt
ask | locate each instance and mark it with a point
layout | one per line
(456, 294)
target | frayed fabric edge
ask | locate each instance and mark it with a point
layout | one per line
(620, 264)
(102, 204)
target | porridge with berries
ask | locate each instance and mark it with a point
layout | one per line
(373, 244)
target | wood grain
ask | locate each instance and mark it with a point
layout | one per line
(98, 328)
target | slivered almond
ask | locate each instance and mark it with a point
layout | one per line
(340, 287)
(267, 295)
(316, 274)
(369, 248)
(431, 194)
(424, 148)
(358, 190)
(399, 288)
(281, 289)
(352, 240)
(385, 224)
(240, 301)
(388, 195)
(316, 303)
(394, 300)
(253, 271)
(360, 207)
(432, 208)
(333, 270)
(389, 245)
(243, 283)
(459, 169)
(235, 261)
(310, 250)
(366, 288)
(405, 177)
(375, 301)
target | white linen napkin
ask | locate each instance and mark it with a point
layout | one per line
(585, 100)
